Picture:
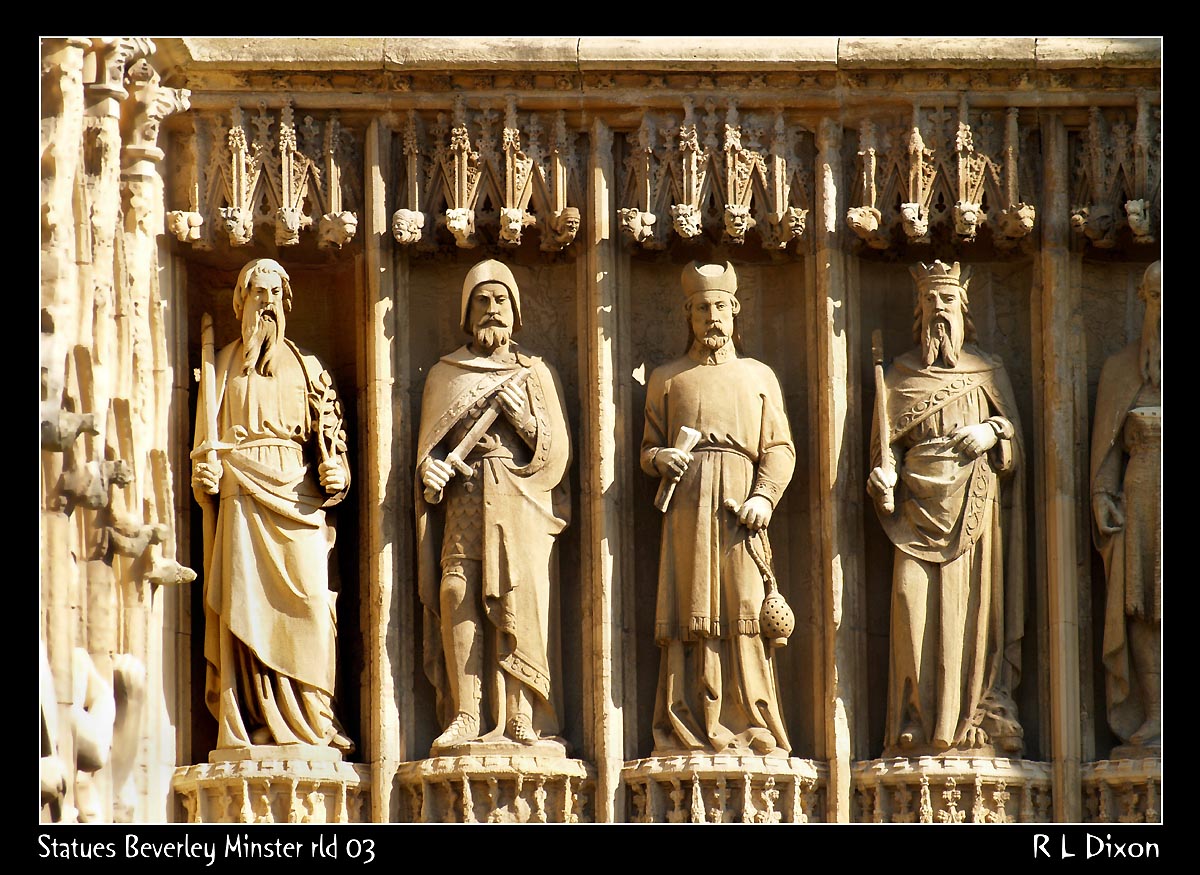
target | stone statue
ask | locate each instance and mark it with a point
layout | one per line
(717, 689)
(270, 617)
(951, 501)
(1126, 497)
(493, 452)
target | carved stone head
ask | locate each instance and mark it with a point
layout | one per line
(461, 222)
(967, 218)
(1017, 220)
(637, 224)
(337, 229)
(1100, 225)
(184, 225)
(287, 226)
(795, 219)
(712, 305)
(864, 221)
(261, 300)
(512, 220)
(738, 222)
(942, 321)
(914, 220)
(238, 224)
(1138, 214)
(566, 225)
(407, 225)
(489, 272)
(686, 220)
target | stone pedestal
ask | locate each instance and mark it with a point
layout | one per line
(952, 789)
(496, 788)
(1126, 790)
(725, 788)
(274, 785)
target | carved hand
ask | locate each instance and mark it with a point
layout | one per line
(436, 474)
(671, 463)
(756, 513)
(206, 477)
(333, 476)
(514, 404)
(880, 481)
(1110, 518)
(974, 440)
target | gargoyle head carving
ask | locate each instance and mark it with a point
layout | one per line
(184, 225)
(1138, 214)
(337, 229)
(967, 218)
(407, 225)
(287, 226)
(512, 220)
(461, 222)
(686, 219)
(914, 220)
(1016, 221)
(238, 224)
(737, 222)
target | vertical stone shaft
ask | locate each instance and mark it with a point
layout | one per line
(604, 475)
(387, 705)
(838, 479)
(1061, 448)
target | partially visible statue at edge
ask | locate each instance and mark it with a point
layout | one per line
(1127, 512)
(717, 686)
(269, 442)
(492, 494)
(952, 503)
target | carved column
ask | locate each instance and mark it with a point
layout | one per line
(1060, 447)
(837, 460)
(605, 472)
(388, 705)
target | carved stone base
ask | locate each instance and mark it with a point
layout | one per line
(724, 788)
(951, 789)
(496, 788)
(1123, 790)
(255, 789)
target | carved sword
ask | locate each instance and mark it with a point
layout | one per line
(477, 431)
(887, 460)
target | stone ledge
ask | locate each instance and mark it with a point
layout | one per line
(936, 52)
(694, 54)
(1058, 52)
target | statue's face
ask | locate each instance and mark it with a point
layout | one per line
(712, 317)
(266, 294)
(941, 303)
(571, 225)
(491, 307)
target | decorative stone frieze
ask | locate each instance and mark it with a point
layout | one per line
(471, 182)
(272, 170)
(729, 176)
(724, 788)
(924, 176)
(292, 784)
(497, 788)
(952, 789)
(1123, 791)
(1117, 173)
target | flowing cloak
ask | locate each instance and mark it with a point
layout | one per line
(1131, 556)
(709, 589)
(270, 617)
(954, 515)
(524, 508)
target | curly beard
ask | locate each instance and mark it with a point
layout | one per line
(715, 339)
(944, 336)
(491, 337)
(262, 336)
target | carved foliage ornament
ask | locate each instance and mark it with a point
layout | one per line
(525, 177)
(734, 173)
(268, 169)
(922, 174)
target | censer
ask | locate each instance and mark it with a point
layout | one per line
(776, 620)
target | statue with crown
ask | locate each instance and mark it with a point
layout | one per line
(947, 483)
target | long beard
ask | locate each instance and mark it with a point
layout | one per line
(1151, 348)
(261, 340)
(492, 337)
(942, 338)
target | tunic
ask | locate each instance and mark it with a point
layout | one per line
(717, 686)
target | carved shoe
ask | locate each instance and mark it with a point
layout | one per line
(464, 727)
(520, 729)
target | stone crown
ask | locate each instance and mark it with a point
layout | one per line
(940, 274)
